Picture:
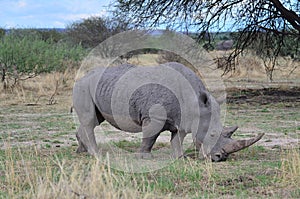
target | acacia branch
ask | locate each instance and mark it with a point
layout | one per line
(289, 15)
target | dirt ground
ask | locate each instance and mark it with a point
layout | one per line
(273, 111)
(277, 109)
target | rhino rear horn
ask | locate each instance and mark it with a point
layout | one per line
(237, 145)
(228, 131)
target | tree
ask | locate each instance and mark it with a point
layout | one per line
(267, 22)
(25, 54)
(92, 31)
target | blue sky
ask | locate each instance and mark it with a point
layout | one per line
(48, 13)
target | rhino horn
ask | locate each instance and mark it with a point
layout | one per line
(228, 131)
(237, 145)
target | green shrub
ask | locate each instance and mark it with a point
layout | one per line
(26, 55)
(2, 32)
(92, 31)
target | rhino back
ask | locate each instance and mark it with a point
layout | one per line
(190, 75)
(106, 85)
(145, 96)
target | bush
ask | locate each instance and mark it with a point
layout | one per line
(92, 31)
(2, 32)
(23, 56)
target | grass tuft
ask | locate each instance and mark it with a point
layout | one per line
(290, 169)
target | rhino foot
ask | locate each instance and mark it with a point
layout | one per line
(81, 149)
(146, 156)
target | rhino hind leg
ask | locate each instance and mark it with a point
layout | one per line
(150, 134)
(86, 140)
(81, 147)
(85, 135)
(145, 149)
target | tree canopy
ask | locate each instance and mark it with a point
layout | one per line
(92, 31)
(281, 17)
(273, 24)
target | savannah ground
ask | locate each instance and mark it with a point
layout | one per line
(38, 144)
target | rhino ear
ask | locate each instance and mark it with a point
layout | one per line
(204, 98)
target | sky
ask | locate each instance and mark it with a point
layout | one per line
(48, 13)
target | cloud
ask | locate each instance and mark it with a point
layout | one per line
(74, 17)
(87, 5)
(21, 4)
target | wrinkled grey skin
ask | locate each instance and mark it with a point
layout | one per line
(93, 96)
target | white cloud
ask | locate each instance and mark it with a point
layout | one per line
(28, 17)
(21, 4)
(87, 5)
(73, 17)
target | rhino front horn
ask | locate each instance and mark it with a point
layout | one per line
(237, 145)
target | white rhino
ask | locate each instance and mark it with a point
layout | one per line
(152, 100)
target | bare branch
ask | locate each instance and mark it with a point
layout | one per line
(289, 15)
(259, 24)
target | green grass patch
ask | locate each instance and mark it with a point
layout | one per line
(130, 146)
(57, 142)
(265, 110)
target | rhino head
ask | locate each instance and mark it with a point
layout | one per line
(212, 138)
(226, 145)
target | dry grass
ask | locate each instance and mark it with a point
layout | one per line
(251, 67)
(144, 59)
(32, 175)
(98, 182)
(290, 169)
(40, 90)
(46, 174)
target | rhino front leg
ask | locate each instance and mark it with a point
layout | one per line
(176, 143)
